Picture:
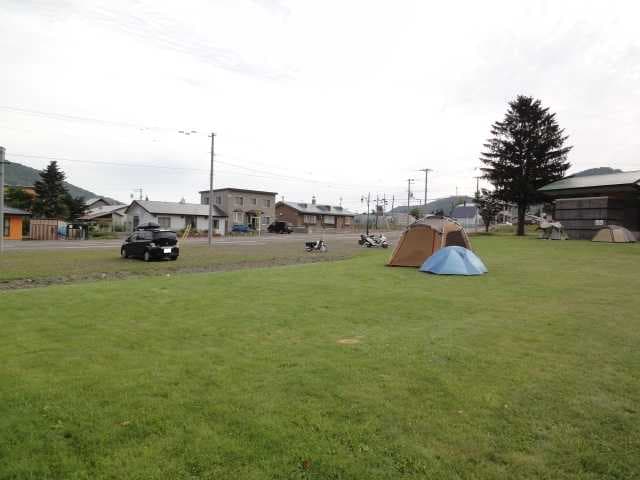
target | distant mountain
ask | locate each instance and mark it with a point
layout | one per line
(446, 204)
(596, 171)
(17, 174)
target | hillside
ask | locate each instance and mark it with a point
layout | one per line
(596, 171)
(17, 174)
(445, 204)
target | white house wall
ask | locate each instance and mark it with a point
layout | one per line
(177, 221)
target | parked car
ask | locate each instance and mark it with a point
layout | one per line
(279, 227)
(151, 244)
(241, 228)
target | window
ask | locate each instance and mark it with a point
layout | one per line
(266, 220)
(310, 219)
(5, 227)
(267, 203)
(329, 219)
(254, 201)
(347, 221)
(218, 199)
(237, 217)
(164, 222)
(238, 201)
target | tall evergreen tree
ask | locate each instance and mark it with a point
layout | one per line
(525, 152)
(51, 195)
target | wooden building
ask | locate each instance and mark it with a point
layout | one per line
(585, 204)
(13, 223)
(315, 216)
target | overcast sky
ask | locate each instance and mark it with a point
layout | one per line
(332, 98)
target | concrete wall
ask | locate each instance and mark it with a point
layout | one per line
(228, 205)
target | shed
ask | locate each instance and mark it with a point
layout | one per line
(13, 223)
(586, 204)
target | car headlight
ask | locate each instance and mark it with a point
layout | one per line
(152, 245)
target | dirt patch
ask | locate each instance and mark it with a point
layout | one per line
(348, 341)
(22, 283)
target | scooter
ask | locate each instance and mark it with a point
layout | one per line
(319, 246)
(372, 241)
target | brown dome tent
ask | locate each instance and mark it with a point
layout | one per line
(423, 237)
(614, 234)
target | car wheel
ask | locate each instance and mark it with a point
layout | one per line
(173, 258)
(123, 253)
(146, 257)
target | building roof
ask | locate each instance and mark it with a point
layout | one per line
(15, 211)
(592, 181)
(176, 208)
(104, 210)
(316, 209)
(464, 211)
(240, 190)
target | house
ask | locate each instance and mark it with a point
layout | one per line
(467, 215)
(584, 204)
(247, 207)
(174, 215)
(92, 203)
(106, 218)
(13, 223)
(313, 215)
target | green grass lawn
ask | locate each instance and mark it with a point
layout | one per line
(43, 267)
(343, 370)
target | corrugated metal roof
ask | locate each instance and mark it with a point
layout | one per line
(15, 211)
(589, 181)
(104, 210)
(316, 209)
(176, 208)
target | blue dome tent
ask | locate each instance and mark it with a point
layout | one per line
(454, 261)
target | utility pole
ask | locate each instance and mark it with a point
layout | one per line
(477, 185)
(362, 199)
(210, 230)
(409, 182)
(377, 204)
(426, 186)
(1, 200)
(138, 191)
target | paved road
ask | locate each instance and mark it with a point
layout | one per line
(235, 240)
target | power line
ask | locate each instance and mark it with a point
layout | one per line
(77, 118)
(260, 174)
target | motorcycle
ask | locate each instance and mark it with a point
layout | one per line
(319, 246)
(372, 241)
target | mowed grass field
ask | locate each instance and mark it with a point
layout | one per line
(335, 370)
(44, 267)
